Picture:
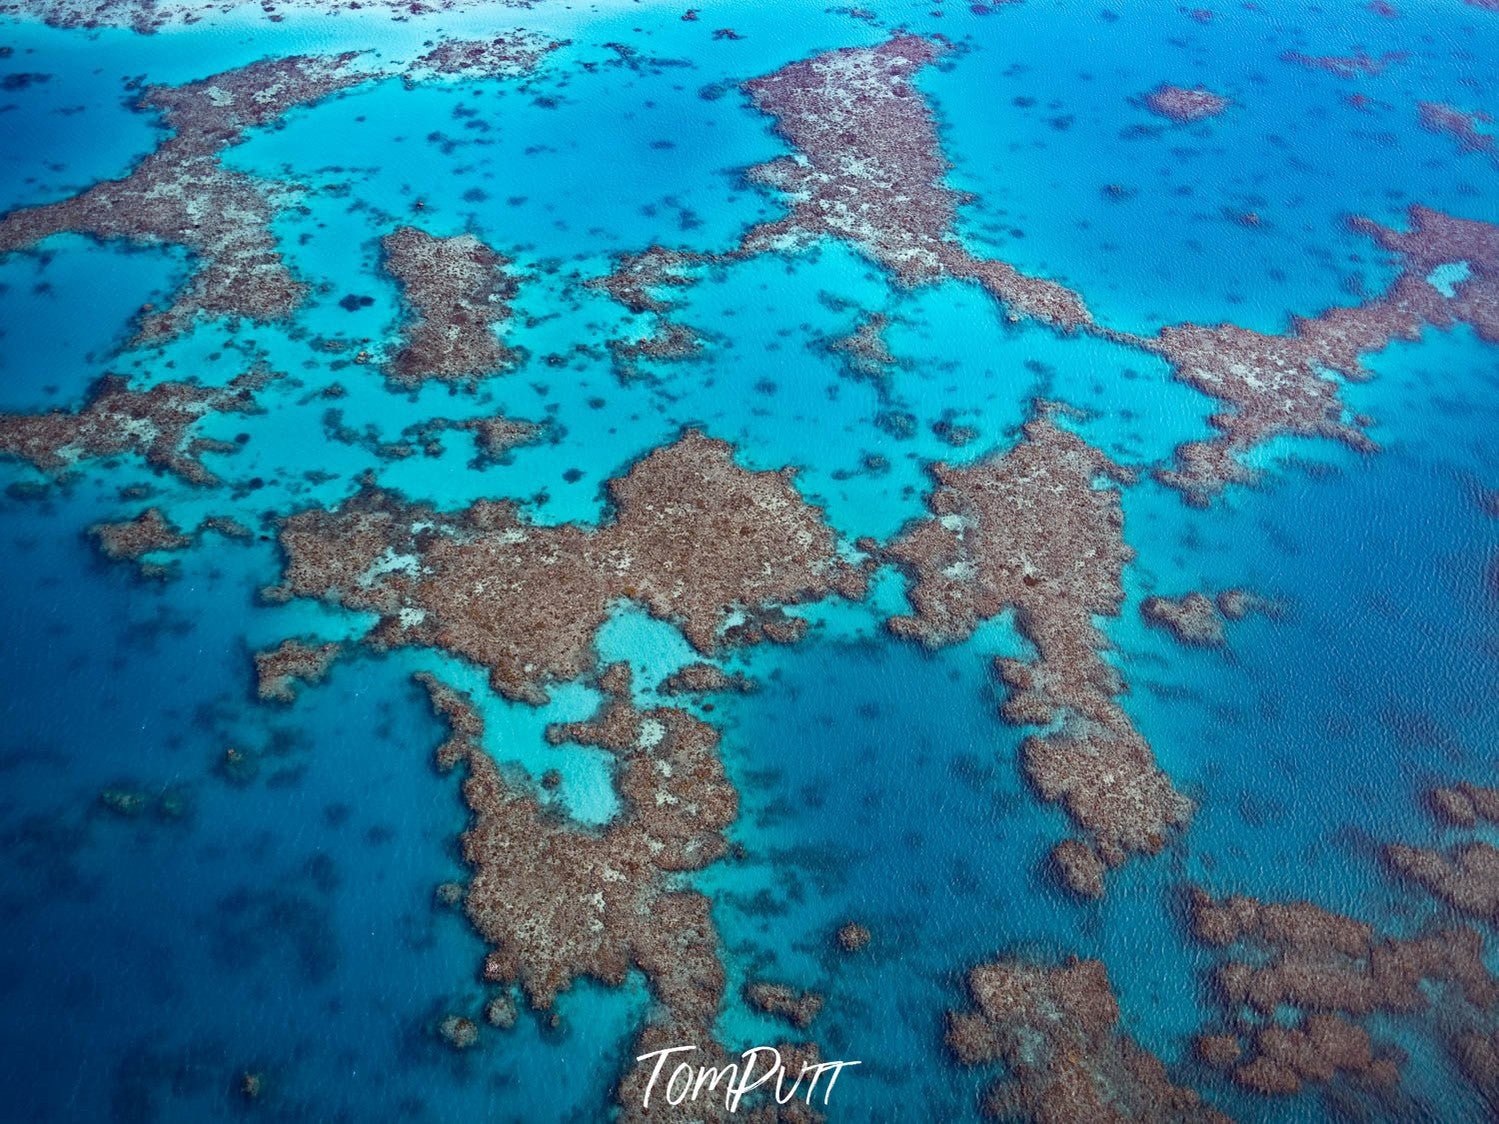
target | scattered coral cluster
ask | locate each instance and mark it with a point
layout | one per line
(293, 661)
(1328, 971)
(1465, 875)
(182, 194)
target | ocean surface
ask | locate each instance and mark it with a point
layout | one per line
(286, 925)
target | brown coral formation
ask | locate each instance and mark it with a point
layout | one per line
(798, 1008)
(279, 670)
(1438, 117)
(1184, 105)
(182, 195)
(702, 679)
(1466, 877)
(1463, 805)
(148, 533)
(1327, 970)
(1278, 385)
(505, 56)
(1057, 1030)
(1080, 868)
(114, 420)
(853, 936)
(868, 170)
(557, 901)
(149, 16)
(1358, 64)
(638, 278)
(1030, 531)
(497, 435)
(1193, 619)
(457, 292)
(694, 539)
(865, 349)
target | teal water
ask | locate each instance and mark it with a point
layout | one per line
(287, 925)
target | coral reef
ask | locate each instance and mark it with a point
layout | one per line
(869, 171)
(1358, 64)
(798, 1008)
(1192, 619)
(1057, 1031)
(703, 678)
(149, 16)
(149, 532)
(279, 670)
(1438, 117)
(864, 349)
(497, 435)
(557, 901)
(1466, 877)
(1185, 105)
(505, 56)
(1031, 531)
(1298, 977)
(458, 1032)
(1463, 805)
(155, 423)
(853, 936)
(456, 290)
(1278, 385)
(693, 539)
(181, 194)
(1197, 620)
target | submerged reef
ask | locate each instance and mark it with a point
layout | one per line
(1463, 805)
(1358, 64)
(1438, 117)
(279, 670)
(1031, 531)
(150, 16)
(1197, 620)
(512, 55)
(704, 678)
(694, 538)
(155, 423)
(1465, 875)
(1185, 105)
(1057, 1030)
(799, 1008)
(457, 291)
(1298, 978)
(150, 532)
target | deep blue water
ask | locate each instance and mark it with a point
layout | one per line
(286, 925)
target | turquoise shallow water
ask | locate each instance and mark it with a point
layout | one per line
(286, 925)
